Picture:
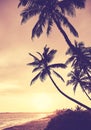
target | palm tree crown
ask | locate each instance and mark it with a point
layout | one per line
(51, 11)
(43, 64)
(81, 80)
(80, 58)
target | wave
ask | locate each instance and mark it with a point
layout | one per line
(12, 119)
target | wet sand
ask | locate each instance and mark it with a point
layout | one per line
(33, 125)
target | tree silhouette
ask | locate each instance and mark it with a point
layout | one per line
(55, 11)
(70, 120)
(42, 65)
(81, 80)
(80, 58)
(50, 12)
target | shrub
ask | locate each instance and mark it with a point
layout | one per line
(71, 120)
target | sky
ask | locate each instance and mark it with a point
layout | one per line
(16, 94)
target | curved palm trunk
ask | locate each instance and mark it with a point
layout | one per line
(77, 102)
(86, 94)
(64, 34)
(84, 89)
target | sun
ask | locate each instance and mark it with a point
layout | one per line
(42, 102)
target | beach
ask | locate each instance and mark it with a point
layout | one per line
(39, 124)
(8, 120)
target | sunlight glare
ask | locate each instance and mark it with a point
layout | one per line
(42, 102)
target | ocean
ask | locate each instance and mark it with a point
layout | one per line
(12, 119)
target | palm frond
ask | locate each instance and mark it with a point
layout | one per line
(69, 82)
(75, 63)
(75, 86)
(57, 65)
(80, 45)
(70, 60)
(78, 3)
(37, 68)
(65, 22)
(40, 54)
(70, 74)
(50, 24)
(28, 13)
(46, 50)
(69, 51)
(23, 3)
(52, 52)
(85, 78)
(43, 75)
(69, 25)
(37, 30)
(67, 7)
(51, 55)
(58, 75)
(35, 58)
(33, 63)
(35, 78)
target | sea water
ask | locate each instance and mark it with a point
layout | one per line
(12, 119)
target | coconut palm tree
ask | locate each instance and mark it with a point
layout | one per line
(45, 68)
(50, 12)
(43, 64)
(80, 59)
(78, 78)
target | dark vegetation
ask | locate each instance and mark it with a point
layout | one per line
(71, 120)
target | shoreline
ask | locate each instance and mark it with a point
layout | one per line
(39, 124)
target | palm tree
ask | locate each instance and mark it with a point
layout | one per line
(45, 68)
(80, 59)
(43, 65)
(51, 11)
(81, 80)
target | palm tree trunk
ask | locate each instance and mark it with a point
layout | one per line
(64, 34)
(77, 102)
(86, 94)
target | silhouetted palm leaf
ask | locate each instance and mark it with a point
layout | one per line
(68, 6)
(23, 3)
(58, 75)
(57, 66)
(51, 55)
(40, 55)
(35, 78)
(70, 59)
(37, 68)
(75, 86)
(66, 23)
(69, 82)
(35, 58)
(50, 24)
(33, 63)
(43, 75)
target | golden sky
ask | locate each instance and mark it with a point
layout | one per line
(16, 94)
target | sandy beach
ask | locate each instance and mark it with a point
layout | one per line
(33, 125)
